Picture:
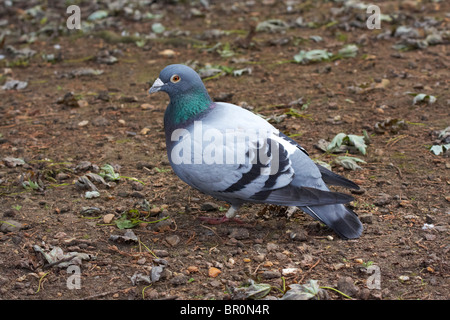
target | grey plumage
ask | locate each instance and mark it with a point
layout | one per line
(236, 156)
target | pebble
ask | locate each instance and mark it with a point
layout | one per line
(178, 280)
(108, 218)
(137, 194)
(272, 246)
(147, 106)
(161, 253)
(383, 199)
(168, 53)
(62, 176)
(173, 240)
(137, 186)
(298, 236)
(239, 234)
(366, 218)
(270, 274)
(10, 213)
(289, 271)
(214, 272)
(10, 226)
(403, 278)
(347, 286)
(209, 206)
(192, 269)
(100, 121)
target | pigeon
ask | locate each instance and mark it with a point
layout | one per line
(235, 155)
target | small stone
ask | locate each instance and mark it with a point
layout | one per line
(429, 237)
(192, 269)
(147, 106)
(168, 53)
(137, 186)
(173, 240)
(270, 274)
(363, 294)
(62, 176)
(10, 213)
(239, 234)
(214, 272)
(100, 121)
(298, 236)
(366, 218)
(347, 286)
(359, 191)
(403, 278)
(129, 99)
(82, 103)
(10, 226)
(268, 264)
(259, 257)
(383, 199)
(137, 194)
(178, 280)
(161, 253)
(108, 218)
(429, 219)
(209, 206)
(338, 266)
(83, 123)
(272, 246)
(289, 272)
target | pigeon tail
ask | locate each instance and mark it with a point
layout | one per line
(341, 219)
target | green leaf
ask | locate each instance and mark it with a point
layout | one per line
(440, 149)
(351, 140)
(358, 142)
(312, 56)
(349, 51)
(158, 28)
(109, 173)
(258, 290)
(124, 223)
(272, 25)
(424, 97)
(336, 142)
(349, 162)
(97, 15)
(307, 291)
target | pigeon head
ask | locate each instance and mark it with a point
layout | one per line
(187, 93)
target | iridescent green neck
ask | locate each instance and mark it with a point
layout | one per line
(186, 106)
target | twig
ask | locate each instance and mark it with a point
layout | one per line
(202, 225)
(143, 291)
(312, 267)
(40, 281)
(99, 295)
(340, 292)
(58, 262)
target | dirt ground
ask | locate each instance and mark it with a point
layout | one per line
(72, 119)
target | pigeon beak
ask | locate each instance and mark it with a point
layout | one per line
(157, 85)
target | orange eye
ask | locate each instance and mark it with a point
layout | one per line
(175, 78)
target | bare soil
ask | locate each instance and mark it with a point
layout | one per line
(110, 119)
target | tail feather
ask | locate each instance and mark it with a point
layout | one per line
(339, 218)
